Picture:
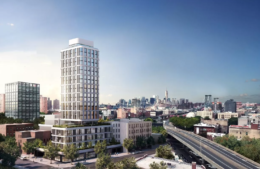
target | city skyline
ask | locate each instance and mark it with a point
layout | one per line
(192, 49)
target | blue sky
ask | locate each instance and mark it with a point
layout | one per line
(192, 48)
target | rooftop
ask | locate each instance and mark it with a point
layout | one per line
(204, 125)
(10, 124)
(237, 126)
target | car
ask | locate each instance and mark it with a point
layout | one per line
(23, 158)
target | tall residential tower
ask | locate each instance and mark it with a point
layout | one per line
(80, 97)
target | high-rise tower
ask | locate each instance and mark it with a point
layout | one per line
(80, 81)
(166, 95)
(80, 98)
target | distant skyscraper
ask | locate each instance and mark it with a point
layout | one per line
(22, 100)
(43, 104)
(49, 104)
(166, 95)
(187, 101)
(230, 105)
(56, 104)
(182, 101)
(152, 100)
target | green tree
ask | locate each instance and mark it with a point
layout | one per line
(90, 144)
(129, 163)
(83, 146)
(9, 152)
(140, 142)
(155, 165)
(100, 147)
(80, 166)
(117, 165)
(113, 140)
(164, 152)
(164, 133)
(232, 121)
(38, 143)
(50, 151)
(103, 161)
(207, 118)
(70, 152)
(128, 143)
(28, 147)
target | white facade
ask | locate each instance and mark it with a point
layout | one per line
(80, 97)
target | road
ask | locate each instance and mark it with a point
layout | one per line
(219, 155)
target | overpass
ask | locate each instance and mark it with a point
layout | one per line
(218, 155)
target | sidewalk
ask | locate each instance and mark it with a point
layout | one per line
(57, 164)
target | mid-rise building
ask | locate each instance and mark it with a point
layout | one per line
(205, 113)
(22, 100)
(22, 137)
(10, 129)
(230, 105)
(239, 132)
(131, 128)
(2, 103)
(43, 104)
(56, 104)
(202, 129)
(227, 115)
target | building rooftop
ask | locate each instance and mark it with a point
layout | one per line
(131, 120)
(81, 41)
(10, 124)
(237, 126)
(204, 125)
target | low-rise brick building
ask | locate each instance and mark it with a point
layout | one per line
(202, 129)
(10, 129)
(22, 137)
(252, 131)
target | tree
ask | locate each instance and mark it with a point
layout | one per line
(83, 146)
(232, 121)
(164, 133)
(207, 118)
(90, 144)
(50, 151)
(117, 165)
(140, 142)
(9, 152)
(80, 166)
(155, 165)
(161, 140)
(37, 143)
(150, 141)
(128, 143)
(28, 147)
(100, 147)
(103, 160)
(129, 163)
(70, 152)
(164, 152)
(113, 140)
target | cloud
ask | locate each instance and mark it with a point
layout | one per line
(243, 95)
(254, 80)
(10, 24)
(109, 95)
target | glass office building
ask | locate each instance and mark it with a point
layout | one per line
(22, 100)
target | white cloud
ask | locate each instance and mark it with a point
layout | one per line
(109, 95)
(10, 24)
(30, 66)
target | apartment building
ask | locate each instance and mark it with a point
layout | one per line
(131, 128)
(252, 131)
(227, 115)
(205, 113)
(43, 104)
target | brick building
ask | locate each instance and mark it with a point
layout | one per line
(203, 128)
(22, 137)
(10, 129)
(239, 132)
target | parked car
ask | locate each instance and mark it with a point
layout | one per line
(23, 158)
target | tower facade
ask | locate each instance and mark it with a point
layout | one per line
(80, 81)
(80, 98)
(166, 95)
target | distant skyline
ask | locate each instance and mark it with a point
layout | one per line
(191, 48)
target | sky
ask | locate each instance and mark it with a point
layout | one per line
(191, 48)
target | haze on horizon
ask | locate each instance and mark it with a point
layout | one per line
(190, 48)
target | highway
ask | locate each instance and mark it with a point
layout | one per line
(222, 157)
